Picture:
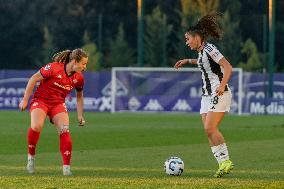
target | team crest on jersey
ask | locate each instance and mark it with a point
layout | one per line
(47, 67)
(59, 76)
(75, 81)
(35, 104)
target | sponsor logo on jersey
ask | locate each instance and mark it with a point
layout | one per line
(66, 87)
(153, 105)
(181, 105)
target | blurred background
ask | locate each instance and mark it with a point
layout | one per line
(142, 33)
(32, 31)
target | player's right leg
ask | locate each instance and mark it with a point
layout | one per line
(60, 118)
(219, 147)
(38, 115)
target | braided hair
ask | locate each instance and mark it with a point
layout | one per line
(68, 55)
(207, 26)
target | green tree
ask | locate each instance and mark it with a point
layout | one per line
(20, 35)
(186, 15)
(191, 11)
(207, 6)
(91, 49)
(253, 57)
(66, 22)
(120, 53)
(230, 44)
(47, 47)
(156, 34)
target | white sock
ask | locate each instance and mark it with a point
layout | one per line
(30, 156)
(215, 153)
(223, 152)
(220, 152)
(66, 166)
(66, 170)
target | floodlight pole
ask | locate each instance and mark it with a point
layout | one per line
(271, 9)
(140, 35)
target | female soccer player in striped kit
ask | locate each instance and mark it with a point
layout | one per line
(56, 79)
(216, 72)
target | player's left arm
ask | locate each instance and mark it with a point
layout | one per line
(80, 107)
(226, 76)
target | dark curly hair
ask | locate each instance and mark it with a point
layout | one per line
(207, 26)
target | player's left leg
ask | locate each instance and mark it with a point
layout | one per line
(60, 118)
(218, 145)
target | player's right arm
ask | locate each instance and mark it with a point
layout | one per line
(180, 63)
(29, 90)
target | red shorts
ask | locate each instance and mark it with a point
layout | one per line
(50, 110)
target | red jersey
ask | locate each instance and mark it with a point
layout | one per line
(56, 84)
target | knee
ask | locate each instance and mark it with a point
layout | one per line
(210, 130)
(36, 127)
(63, 129)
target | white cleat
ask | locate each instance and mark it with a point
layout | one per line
(67, 170)
(31, 164)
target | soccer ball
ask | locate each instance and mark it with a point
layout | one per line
(174, 166)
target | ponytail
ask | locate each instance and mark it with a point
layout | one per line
(207, 26)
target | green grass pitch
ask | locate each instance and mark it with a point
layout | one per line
(128, 151)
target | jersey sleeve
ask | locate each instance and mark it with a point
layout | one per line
(46, 71)
(213, 52)
(80, 84)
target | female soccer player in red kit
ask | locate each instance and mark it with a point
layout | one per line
(56, 79)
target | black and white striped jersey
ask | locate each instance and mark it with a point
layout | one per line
(211, 71)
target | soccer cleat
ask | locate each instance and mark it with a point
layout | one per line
(67, 170)
(31, 164)
(224, 168)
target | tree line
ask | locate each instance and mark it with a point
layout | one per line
(32, 31)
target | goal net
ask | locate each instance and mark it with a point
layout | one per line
(164, 90)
